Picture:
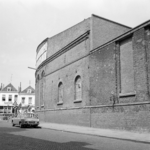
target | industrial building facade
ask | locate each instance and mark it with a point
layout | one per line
(97, 74)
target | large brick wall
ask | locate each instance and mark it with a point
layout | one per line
(133, 117)
(102, 75)
(132, 110)
(62, 39)
(104, 30)
(100, 71)
(74, 116)
(147, 46)
(140, 65)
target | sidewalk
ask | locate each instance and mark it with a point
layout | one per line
(123, 135)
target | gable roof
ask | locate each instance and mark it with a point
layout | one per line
(13, 89)
(26, 90)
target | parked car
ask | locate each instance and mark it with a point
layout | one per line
(24, 120)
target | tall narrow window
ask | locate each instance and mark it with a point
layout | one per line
(78, 88)
(60, 92)
(23, 100)
(126, 66)
(10, 98)
(30, 100)
(3, 97)
(15, 98)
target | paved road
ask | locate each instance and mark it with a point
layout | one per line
(15, 138)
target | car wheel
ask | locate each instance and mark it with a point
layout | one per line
(21, 125)
(35, 126)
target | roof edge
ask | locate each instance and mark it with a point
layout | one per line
(128, 33)
(41, 44)
(112, 21)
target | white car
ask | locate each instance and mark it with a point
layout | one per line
(24, 120)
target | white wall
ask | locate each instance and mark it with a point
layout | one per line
(27, 99)
(7, 102)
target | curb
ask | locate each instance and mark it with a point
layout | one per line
(133, 137)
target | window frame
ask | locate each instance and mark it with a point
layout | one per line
(9, 98)
(23, 100)
(30, 100)
(4, 96)
(76, 99)
(60, 92)
(8, 89)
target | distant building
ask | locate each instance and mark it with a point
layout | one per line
(8, 96)
(11, 97)
(27, 98)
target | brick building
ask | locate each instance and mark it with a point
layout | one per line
(96, 73)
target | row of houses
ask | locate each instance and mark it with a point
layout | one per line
(96, 74)
(11, 97)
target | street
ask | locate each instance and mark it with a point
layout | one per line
(16, 138)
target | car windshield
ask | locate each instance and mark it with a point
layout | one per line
(30, 115)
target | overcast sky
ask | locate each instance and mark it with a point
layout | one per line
(24, 24)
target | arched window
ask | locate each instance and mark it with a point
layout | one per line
(78, 88)
(60, 92)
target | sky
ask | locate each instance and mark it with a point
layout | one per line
(24, 24)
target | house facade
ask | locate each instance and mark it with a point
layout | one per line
(27, 98)
(10, 97)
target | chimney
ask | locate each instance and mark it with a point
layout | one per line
(20, 86)
(1, 87)
(18, 89)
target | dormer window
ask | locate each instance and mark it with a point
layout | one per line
(29, 91)
(8, 88)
